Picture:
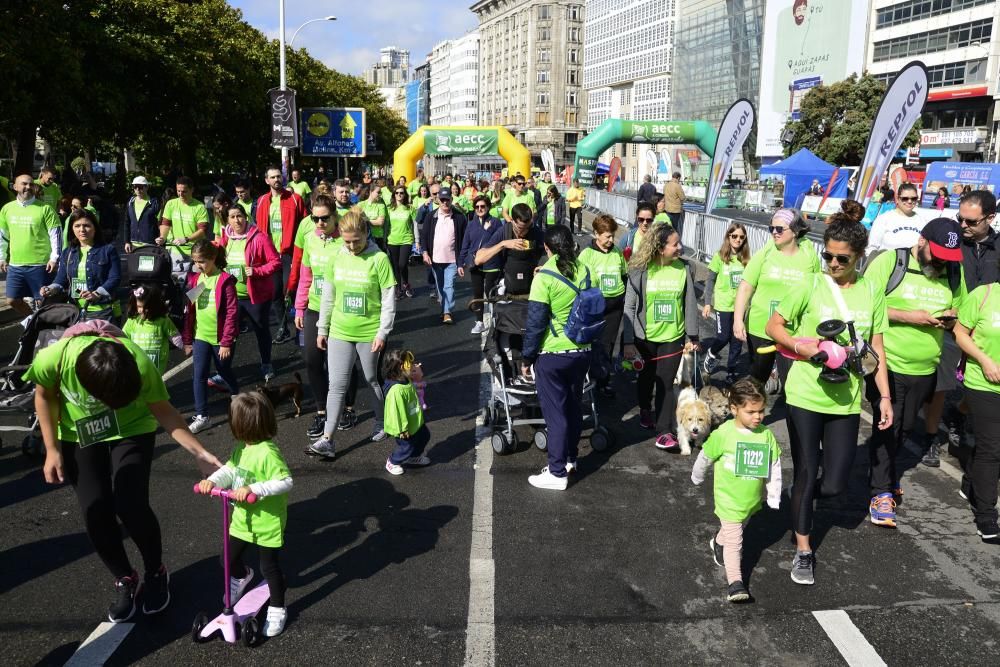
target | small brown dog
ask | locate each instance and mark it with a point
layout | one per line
(279, 393)
(717, 400)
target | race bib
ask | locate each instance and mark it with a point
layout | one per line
(753, 459)
(154, 356)
(354, 303)
(774, 307)
(237, 272)
(735, 278)
(276, 226)
(203, 299)
(609, 281)
(317, 284)
(76, 286)
(665, 310)
(97, 428)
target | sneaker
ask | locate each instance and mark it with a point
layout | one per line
(965, 491)
(803, 566)
(348, 419)
(646, 419)
(126, 591)
(274, 624)
(737, 592)
(379, 434)
(570, 467)
(546, 480)
(237, 587)
(393, 468)
(478, 328)
(198, 423)
(156, 591)
(954, 422)
(318, 427)
(716, 552)
(323, 447)
(407, 290)
(666, 441)
(418, 461)
(282, 337)
(217, 383)
(267, 370)
(447, 319)
(882, 510)
(932, 459)
(989, 532)
(710, 364)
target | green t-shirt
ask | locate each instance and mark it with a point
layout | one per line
(185, 219)
(558, 296)
(463, 203)
(358, 282)
(206, 323)
(418, 202)
(661, 217)
(773, 274)
(607, 269)
(738, 497)
(139, 205)
(665, 290)
(51, 194)
(236, 265)
(262, 523)
(274, 222)
(55, 368)
(246, 206)
(27, 231)
(727, 281)
(550, 214)
(524, 198)
(301, 188)
(317, 251)
(153, 338)
(637, 241)
(402, 410)
(401, 225)
(413, 187)
(302, 233)
(78, 283)
(387, 196)
(810, 302)
(909, 349)
(980, 312)
(374, 211)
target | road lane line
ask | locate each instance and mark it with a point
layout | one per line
(853, 646)
(178, 368)
(480, 636)
(100, 645)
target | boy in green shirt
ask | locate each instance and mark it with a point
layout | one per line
(404, 418)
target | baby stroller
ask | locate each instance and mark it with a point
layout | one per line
(513, 400)
(17, 397)
(153, 264)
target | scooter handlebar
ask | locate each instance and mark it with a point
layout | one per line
(225, 493)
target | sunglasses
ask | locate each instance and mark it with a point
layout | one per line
(969, 222)
(435, 194)
(737, 237)
(777, 230)
(841, 259)
(481, 206)
(400, 192)
(322, 218)
(644, 220)
(907, 200)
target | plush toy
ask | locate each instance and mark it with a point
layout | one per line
(417, 377)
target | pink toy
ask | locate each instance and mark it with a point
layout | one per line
(836, 354)
(417, 377)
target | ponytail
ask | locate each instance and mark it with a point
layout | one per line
(560, 241)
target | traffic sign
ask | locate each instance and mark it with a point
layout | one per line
(333, 132)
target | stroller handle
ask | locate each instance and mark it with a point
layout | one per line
(225, 493)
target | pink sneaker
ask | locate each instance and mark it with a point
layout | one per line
(666, 441)
(646, 419)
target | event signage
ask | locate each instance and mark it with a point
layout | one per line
(659, 132)
(284, 130)
(954, 176)
(900, 109)
(334, 132)
(461, 142)
(733, 133)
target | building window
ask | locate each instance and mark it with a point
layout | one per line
(573, 77)
(571, 120)
(915, 10)
(544, 12)
(574, 56)
(635, 150)
(573, 12)
(954, 37)
(544, 34)
(542, 99)
(951, 74)
(574, 35)
(572, 98)
(544, 55)
(543, 76)
(542, 118)
(570, 138)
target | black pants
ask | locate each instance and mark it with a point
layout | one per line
(676, 220)
(659, 374)
(269, 567)
(257, 314)
(761, 364)
(399, 257)
(984, 465)
(280, 287)
(317, 373)
(576, 218)
(111, 480)
(483, 283)
(614, 310)
(724, 336)
(807, 431)
(909, 393)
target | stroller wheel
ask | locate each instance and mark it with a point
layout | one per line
(31, 446)
(600, 439)
(500, 444)
(541, 439)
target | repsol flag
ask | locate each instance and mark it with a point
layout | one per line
(901, 107)
(733, 133)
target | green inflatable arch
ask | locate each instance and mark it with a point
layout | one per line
(615, 131)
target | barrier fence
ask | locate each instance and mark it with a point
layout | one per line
(702, 235)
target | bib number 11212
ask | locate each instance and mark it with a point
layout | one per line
(753, 459)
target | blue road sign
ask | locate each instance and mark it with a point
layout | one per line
(333, 132)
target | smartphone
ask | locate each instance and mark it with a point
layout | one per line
(946, 318)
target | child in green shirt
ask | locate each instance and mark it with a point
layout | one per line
(404, 417)
(149, 325)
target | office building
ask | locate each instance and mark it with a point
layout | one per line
(390, 74)
(454, 81)
(418, 98)
(531, 72)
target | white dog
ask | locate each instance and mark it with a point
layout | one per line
(694, 420)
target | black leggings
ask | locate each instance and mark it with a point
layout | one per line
(483, 283)
(111, 479)
(839, 437)
(269, 567)
(724, 336)
(761, 364)
(257, 314)
(280, 285)
(399, 257)
(659, 374)
(576, 217)
(909, 393)
(316, 369)
(614, 309)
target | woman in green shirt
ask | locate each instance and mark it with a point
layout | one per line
(400, 239)
(89, 269)
(608, 269)
(725, 273)
(423, 195)
(376, 214)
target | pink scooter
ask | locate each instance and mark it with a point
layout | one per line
(239, 622)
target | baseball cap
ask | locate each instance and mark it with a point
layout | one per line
(444, 194)
(944, 237)
(140, 180)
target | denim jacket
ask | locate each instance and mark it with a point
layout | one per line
(104, 267)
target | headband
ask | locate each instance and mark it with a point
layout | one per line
(785, 215)
(407, 361)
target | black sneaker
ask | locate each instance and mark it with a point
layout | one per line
(348, 420)
(126, 591)
(932, 459)
(318, 426)
(156, 591)
(965, 491)
(989, 532)
(954, 422)
(717, 552)
(737, 592)
(282, 337)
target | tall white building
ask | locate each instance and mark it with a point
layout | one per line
(627, 63)
(390, 75)
(455, 81)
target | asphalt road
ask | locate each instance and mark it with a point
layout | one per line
(614, 571)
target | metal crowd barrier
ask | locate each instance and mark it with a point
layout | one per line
(702, 235)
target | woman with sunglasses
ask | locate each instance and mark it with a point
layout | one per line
(784, 262)
(400, 239)
(553, 209)
(824, 413)
(485, 277)
(725, 273)
(632, 240)
(899, 227)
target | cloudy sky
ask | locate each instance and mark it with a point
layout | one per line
(352, 42)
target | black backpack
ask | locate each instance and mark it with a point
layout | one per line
(901, 268)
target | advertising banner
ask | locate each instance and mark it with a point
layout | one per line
(954, 176)
(900, 109)
(614, 172)
(660, 132)
(461, 142)
(663, 171)
(548, 160)
(806, 43)
(733, 132)
(334, 132)
(284, 130)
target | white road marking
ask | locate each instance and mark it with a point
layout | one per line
(853, 646)
(100, 645)
(178, 368)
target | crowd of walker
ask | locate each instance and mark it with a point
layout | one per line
(333, 259)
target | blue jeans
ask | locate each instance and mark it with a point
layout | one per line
(412, 446)
(444, 277)
(26, 281)
(204, 354)
(559, 379)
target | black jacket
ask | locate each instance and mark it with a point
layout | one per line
(145, 228)
(647, 192)
(429, 226)
(979, 261)
(542, 217)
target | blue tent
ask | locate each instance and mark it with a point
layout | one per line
(799, 171)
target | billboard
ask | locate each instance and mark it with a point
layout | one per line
(806, 43)
(955, 176)
(334, 132)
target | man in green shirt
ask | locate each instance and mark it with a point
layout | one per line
(245, 200)
(51, 194)
(184, 220)
(29, 245)
(342, 195)
(518, 196)
(413, 187)
(298, 186)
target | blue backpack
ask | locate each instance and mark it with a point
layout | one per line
(586, 318)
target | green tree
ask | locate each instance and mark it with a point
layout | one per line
(836, 120)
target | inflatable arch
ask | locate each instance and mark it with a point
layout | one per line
(460, 142)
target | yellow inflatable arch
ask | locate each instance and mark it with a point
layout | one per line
(460, 142)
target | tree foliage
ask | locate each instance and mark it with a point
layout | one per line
(836, 120)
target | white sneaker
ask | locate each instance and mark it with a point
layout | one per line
(274, 624)
(546, 480)
(198, 423)
(570, 466)
(417, 461)
(323, 447)
(393, 468)
(478, 328)
(379, 434)
(239, 586)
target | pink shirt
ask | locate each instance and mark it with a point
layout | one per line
(444, 239)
